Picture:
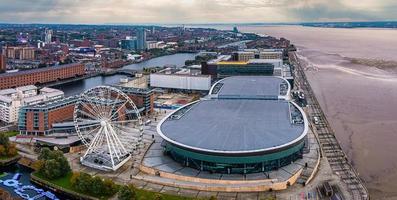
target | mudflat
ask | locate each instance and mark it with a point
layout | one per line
(354, 75)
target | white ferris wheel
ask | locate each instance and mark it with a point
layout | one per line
(109, 124)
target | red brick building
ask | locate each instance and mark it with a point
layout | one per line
(39, 119)
(42, 75)
(3, 63)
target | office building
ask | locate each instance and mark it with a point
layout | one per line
(141, 39)
(249, 54)
(38, 119)
(180, 79)
(12, 99)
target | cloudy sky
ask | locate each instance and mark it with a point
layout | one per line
(194, 11)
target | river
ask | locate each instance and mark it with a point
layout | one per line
(77, 87)
(353, 73)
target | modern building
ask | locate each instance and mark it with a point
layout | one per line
(41, 75)
(223, 67)
(180, 79)
(39, 119)
(249, 54)
(143, 98)
(3, 63)
(48, 36)
(129, 44)
(11, 100)
(244, 126)
(141, 39)
(19, 53)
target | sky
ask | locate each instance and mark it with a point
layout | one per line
(194, 11)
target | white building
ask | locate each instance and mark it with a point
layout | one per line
(185, 79)
(13, 99)
(248, 54)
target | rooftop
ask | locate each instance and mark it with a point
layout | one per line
(37, 70)
(8, 91)
(54, 103)
(252, 87)
(235, 126)
(26, 88)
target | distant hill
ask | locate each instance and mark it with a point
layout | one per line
(380, 24)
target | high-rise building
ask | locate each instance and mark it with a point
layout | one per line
(48, 36)
(141, 39)
(3, 63)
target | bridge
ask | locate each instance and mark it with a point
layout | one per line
(128, 72)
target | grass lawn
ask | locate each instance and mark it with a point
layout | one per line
(148, 195)
(11, 133)
(64, 182)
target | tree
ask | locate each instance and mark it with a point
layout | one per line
(3, 151)
(126, 193)
(81, 181)
(54, 164)
(4, 140)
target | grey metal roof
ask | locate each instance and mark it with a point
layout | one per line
(250, 87)
(235, 126)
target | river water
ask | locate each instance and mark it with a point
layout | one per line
(77, 87)
(353, 73)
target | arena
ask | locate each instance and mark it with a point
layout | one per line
(245, 125)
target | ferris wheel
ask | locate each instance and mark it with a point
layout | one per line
(109, 124)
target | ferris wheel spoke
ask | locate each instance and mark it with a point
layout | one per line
(117, 141)
(83, 126)
(91, 110)
(114, 134)
(97, 106)
(111, 144)
(114, 104)
(124, 121)
(93, 142)
(92, 117)
(111, 117)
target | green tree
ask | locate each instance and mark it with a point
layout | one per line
(126, 193)
(54, 164)
(81, 182)
(4, 140)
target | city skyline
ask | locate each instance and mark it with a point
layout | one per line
(194, 11)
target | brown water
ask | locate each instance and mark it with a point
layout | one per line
(354, 75)
(360, 101)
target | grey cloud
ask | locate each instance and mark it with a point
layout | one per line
(186, 11)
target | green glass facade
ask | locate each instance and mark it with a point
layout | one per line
(226, 70)
(236, 163)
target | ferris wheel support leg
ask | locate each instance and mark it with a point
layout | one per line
(113, 140)
(90, 149)
(109, 147)
(118, 140)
